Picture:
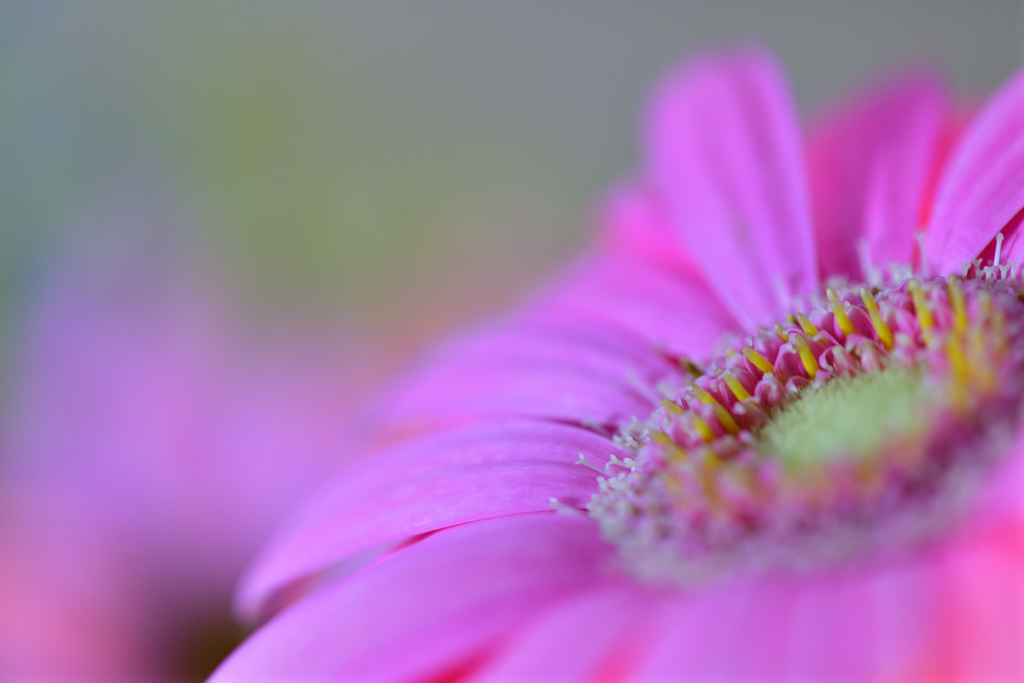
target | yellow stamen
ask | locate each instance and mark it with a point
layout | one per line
(924, 314)
(881, 327)
(999, 330)
(976, 344)
(727, 420)
(979, 361)
(957, 360)
(675, 451)
(662, 438)
(782, 332)
(959, 306)
(735, 387)
(709, 480)
(702, 395)
(959, 395)
(702, 427)
(723, 415)
(690, 367)
(836, 306)
(806, 325)
(671, 406)
(759, 361)
(810, 363)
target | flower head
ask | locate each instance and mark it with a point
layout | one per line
(797, 374)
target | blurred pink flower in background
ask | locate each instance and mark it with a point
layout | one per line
(155, 434)
(440, 558)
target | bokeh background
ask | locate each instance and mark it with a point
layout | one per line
(221, 224)
(402, 164)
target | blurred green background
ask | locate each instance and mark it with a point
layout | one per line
(399, 166)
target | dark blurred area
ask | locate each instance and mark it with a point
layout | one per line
(222, 224)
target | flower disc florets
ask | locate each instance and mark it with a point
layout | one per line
(862, 425)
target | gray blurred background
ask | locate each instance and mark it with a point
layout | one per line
(400, 166)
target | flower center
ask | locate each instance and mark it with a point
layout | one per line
(855, 418)
(865, 424)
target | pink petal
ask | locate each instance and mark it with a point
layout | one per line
(579, 639)
(581, 353)
(984, 608)
(928, 621)
(572, 366)
(871, 166)
(982, 187)
(453, 477)
(724, 148)
(1004, 498)
(707, 636)
(634, 219)
(430, 609)
(949, 613)
(669, 307)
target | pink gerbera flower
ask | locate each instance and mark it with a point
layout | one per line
(761, 431)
